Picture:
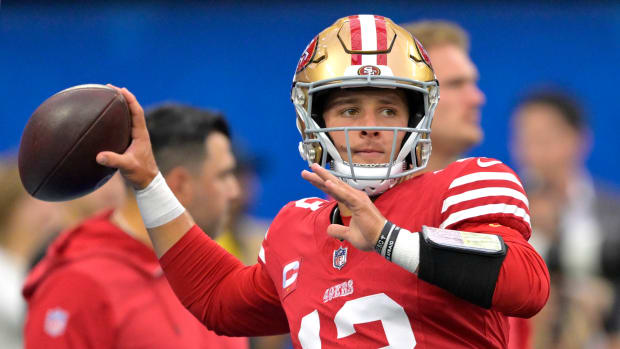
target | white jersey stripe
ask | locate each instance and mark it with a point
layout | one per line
(369, 38)
(482, 193)
(484, 210)
(261, 255)
(484, 176)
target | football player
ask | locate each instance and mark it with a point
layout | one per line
(397, 260)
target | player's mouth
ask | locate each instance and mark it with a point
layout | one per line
(368, 156)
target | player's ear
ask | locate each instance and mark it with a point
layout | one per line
(180, 182)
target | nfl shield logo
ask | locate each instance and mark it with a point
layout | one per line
(56, 322)
(340, 257)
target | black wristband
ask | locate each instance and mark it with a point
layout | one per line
(383, 236)
(391, 243)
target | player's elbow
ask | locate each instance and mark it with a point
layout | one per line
(532, 302)
(524, 284)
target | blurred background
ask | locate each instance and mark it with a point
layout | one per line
(239, 58)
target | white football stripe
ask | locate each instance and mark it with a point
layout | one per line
(369, 38)
(484, 210)
(484, 176)
(482, 193)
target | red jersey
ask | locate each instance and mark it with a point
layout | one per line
(335, 296)
(520, 333)
(98, 287)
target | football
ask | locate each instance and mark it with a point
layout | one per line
(64, 135)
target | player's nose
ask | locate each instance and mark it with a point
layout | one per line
(370, 119)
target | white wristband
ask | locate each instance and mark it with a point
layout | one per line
(407, 250)
(157, 203)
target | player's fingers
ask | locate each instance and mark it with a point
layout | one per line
(323, 173)
(112, 159)
(337, 185)
(307, 175)
(314, 179)
(343, 193)
(338, 231)
(137, 113)
(138, 122)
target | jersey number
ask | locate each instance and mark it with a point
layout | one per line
(358, 311)
(305, 203)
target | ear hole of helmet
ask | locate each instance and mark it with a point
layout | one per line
(318, 106)
(416, 113)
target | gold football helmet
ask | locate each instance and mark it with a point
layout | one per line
(365, 51)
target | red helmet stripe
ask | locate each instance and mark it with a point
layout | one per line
(356, 39)
(381, 39)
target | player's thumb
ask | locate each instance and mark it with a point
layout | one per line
(111, 159)
(338, 231)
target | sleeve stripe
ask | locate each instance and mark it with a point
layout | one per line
(484, 176)
(484, 210)
(481, 193)
(261, 255)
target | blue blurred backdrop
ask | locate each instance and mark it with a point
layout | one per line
(239, 58)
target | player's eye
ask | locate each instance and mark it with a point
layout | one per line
(389, 112)
(349, 112)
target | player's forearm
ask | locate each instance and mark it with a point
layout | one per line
(165, 236)
(243, 306)
(213, 285)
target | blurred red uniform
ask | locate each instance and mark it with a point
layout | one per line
(336, 296)
(520, 333)
(98, 287)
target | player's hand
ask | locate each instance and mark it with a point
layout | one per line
(366, 220)
(137, 163)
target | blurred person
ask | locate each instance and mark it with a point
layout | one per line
(365, 269)
(244, 233)
(100, 284)
(575, 219)
(26, 227)
(24, 223)
(70, 213)
(456, 124)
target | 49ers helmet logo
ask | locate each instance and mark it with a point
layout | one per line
(423, 53)
(368, 70)
(308, 55)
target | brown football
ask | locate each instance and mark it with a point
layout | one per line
(64, 135)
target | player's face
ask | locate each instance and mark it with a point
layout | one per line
(366, 107)
(216, 186)
(543, 143)
(456, 124)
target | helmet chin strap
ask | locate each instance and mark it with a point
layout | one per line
(372, 187)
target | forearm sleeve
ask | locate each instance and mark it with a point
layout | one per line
(522, 286)
(226, 296)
